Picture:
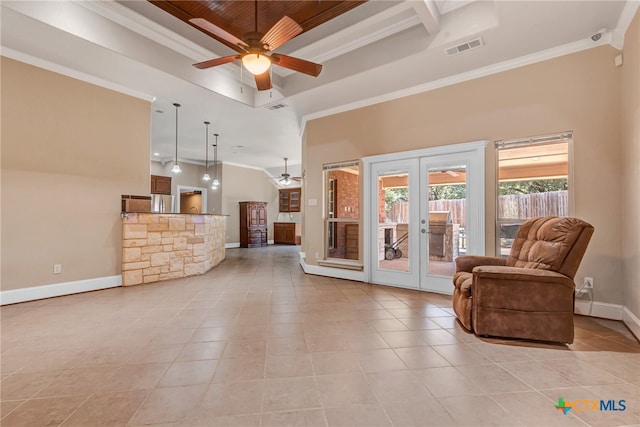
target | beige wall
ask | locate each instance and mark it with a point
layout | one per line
(631, 165)
(578, 92)
(246, 184)
(69, 151)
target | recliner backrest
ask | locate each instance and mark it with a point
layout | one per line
(551, 243)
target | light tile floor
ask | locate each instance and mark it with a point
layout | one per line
(256, 342)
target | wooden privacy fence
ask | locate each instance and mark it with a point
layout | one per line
(515, 206)
(521, 206)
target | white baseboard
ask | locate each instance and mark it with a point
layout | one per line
(339, 273)
(609, 311)
(632, 322)
(66, 288)
(599, 309)
(231, 245)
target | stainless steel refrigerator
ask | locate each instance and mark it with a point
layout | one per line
(163, 203)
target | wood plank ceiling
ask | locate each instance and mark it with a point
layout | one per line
(238, 17)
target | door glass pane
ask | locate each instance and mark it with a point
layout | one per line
(393, 221)
(532, 182)
(447, 217)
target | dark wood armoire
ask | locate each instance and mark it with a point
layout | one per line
(253, 224)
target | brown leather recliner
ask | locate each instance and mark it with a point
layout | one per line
(530, 294)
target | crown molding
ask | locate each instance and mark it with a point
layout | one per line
(627, 15)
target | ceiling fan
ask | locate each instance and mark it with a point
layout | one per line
(255, 49)
(286, 179)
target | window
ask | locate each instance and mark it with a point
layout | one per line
(342, 212)
(533, 181)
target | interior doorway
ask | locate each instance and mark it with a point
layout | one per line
(191, 200)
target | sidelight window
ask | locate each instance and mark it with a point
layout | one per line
(533, 181)
(342, 211)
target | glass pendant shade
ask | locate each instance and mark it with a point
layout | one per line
(255, 63)
(206, 177)
(176, 166)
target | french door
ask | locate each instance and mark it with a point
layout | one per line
(426, 208)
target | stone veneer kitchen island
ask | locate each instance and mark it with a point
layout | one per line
(163, 246)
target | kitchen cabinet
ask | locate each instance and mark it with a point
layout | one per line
(290, 199)
(160, 184)
(285, 232)
(253, 224)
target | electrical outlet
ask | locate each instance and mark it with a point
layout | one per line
(588, 283)
(57, 268)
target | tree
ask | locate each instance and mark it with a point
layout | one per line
(532, 186)
(447, 192)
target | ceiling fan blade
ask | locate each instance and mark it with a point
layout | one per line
(217, 61)
(296, 64)
(263, 81)
(283, 31)
(217, 31)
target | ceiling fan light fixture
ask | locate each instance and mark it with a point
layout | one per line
(256, 63)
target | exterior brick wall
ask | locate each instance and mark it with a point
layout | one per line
(347, 206)
(347, 194)
(170, 246)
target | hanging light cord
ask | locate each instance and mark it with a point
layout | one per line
(206, 145)
(177, 106)
(215, 158)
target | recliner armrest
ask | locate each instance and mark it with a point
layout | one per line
(468, 262)
(525, 289)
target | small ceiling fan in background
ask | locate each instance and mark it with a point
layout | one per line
(255, 49)
(285, 179)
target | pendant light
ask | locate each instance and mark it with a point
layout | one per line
(176, 166)
(206, 176)
(215, 184)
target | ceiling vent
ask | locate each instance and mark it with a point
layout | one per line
(468, 45)
(276, 106)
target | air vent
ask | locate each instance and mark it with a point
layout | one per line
(468, 45)
(276, 106)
